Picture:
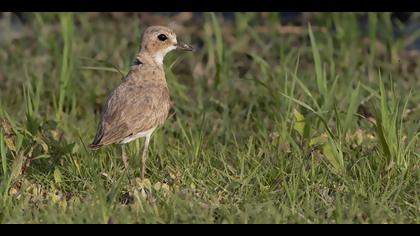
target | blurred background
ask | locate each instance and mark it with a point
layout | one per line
(12, 22)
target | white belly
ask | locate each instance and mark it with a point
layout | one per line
(138, 135)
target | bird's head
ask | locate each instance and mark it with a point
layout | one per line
(159, 40)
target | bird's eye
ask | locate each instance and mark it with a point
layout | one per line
(137, 62)
(162, 37)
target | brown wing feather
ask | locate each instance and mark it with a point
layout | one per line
(136, 105)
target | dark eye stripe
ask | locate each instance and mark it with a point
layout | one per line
(162, 37)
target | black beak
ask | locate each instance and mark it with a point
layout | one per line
(183, 46)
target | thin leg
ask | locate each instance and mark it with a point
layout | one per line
(143, 157)
(124, 157)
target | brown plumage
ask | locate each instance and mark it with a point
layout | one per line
(141, 102)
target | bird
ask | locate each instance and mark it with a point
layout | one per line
(141, 102)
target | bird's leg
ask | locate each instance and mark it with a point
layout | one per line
(144, 155)
(124, 157)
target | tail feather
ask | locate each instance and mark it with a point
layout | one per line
(95, 146)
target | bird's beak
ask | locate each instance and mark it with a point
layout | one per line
(183, 46)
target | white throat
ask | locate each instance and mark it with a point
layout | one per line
(158, 57)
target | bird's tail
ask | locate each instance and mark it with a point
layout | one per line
(95, 146)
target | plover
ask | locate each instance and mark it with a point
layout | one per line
(141, 102)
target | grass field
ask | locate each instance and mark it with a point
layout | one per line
(271, 123)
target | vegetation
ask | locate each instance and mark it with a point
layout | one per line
(271, 123)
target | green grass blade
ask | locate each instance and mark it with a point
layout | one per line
(352, 109)
(320, 79)
(3, 154)
(66, 23)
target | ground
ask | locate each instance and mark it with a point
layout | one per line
(271, 123)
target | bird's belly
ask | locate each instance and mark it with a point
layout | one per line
(138, 135)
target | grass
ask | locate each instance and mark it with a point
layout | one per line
(307, 126)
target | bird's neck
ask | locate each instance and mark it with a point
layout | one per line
(146, 63)
(147, 58)
(153, 57)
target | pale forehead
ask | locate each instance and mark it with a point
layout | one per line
(153, 30)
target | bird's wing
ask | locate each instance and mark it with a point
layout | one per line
(133, 107)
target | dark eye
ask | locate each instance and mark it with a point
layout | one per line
(137, 62)
(162, 37)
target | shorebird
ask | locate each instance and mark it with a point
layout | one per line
(141, 102)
